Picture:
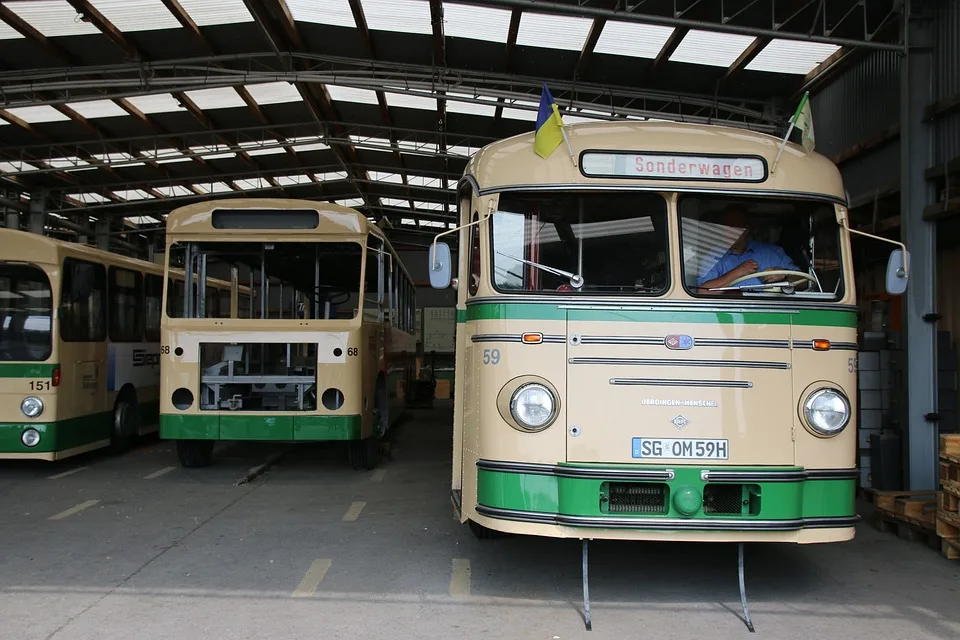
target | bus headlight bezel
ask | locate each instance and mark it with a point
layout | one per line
(812, 416)
(31, 407)
(30, 434)
(510, 394)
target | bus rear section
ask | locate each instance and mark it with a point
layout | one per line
(304, 354)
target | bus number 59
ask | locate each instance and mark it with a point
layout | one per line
(491, 356)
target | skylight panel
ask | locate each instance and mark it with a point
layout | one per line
(52, 18)
(136, 15)
(457, 150)
(38, 114)
(133, 194)
(411, 101)
(791, 56)
(274, 93)
(711, 48)
(471, 108)
(217, 98)
(175, 190)
(429, 206)
(520, 114)
(262, 147)
(395, 202)
(350, 202)
(381, 176)
(157, 103)
(88, 198)
(253, 183)
(352, 94)
(97, 109)
(331, 176)
(476, 23)
(632, 39)
(313, 146)
(432, 223)
(212, 12)
(69, 162)
(112, 157)
(404, 16)
(16, 166)
(8, 33)
(553, 32)
(408, 221)
(425, 181)
(213, 187)
(141, 219)
(332, 12)
(165, 156)
(287, 181)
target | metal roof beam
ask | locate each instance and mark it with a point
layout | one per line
(745, 58)
(591, 42)
(512, 33)
(89, 13)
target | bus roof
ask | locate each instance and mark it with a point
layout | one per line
(22, 246)
(644, 151)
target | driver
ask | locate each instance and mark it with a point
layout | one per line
(745, 257)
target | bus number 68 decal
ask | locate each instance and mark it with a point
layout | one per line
(491, 356)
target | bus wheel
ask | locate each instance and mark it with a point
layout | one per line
(365, 454)
(195, 453)
(481, 532)
(124, 426)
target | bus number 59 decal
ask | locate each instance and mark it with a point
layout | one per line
(491, 356)
(851, 364)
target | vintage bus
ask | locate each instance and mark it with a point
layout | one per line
(79, 347)
(325, 352)
(656, 338)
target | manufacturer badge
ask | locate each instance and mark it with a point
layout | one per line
(678, 341)
(680, 422)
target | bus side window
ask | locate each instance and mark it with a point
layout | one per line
(153, 294)
(224, 303)
(175, 298)
(83, 302)
(474, 257)
(126, 308)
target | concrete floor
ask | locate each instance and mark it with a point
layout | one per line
(313, 549)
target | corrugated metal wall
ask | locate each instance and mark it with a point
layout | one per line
(947, 83)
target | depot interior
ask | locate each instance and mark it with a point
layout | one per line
(113, 113)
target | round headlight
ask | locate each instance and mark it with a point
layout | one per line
(827, 411)
(30, 437)
(32, 406)
(533, 406)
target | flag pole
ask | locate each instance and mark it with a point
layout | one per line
(563, 130)
(793, 123)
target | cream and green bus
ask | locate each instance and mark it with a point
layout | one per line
(656, 338)
(79, 347)
(322, 350)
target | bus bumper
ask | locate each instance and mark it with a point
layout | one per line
(265, 427)
(57, 440)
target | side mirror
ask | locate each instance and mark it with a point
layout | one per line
(440, 266)
(897, 275)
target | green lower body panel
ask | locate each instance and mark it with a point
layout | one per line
(59, 435)
(765, 498)
(283, 428)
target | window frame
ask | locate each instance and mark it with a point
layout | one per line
(113, 306)
(475, 256)
(99, 271)
(148, 335)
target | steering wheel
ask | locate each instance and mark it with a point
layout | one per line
(774, 272)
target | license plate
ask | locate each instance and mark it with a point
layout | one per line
(685, 448)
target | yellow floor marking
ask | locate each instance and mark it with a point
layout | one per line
(378, 475)
(354, 511)
(313, 578)
(72, 510)
(460, 577)
(157, 474)
(67, 473)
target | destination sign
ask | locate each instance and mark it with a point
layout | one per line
(660, 166)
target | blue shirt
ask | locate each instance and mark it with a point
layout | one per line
(766, 255)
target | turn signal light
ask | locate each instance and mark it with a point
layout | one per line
(55, 377)
(821, 345)
(531, 338)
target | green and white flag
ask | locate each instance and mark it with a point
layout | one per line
(803, 120)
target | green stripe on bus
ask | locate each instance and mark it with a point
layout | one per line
(58, 435)
(582, 497)
(27, 369)
(527, 311)
(284, 428)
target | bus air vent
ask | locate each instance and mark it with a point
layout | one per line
(634, 497)
(731, 499)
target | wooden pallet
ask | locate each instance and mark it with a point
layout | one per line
(948, 502)
(907, 528)
(918, 506)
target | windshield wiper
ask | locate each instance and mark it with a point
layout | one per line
(576, 280)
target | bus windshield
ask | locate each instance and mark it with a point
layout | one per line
(590, 243)
(765, 247)
(26, 312)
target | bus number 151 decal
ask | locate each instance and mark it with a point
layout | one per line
(491, 356)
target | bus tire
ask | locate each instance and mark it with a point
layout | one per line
(195, 453)
(481, 532)
(366, 454)
(124, 427)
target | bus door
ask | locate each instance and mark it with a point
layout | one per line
(83, 348)
(678, 387)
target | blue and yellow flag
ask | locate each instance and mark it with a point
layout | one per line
(549, 125)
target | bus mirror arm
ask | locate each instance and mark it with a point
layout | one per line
(440, 265)
(898, 265)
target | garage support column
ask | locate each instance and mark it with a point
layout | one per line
(38, 212)
(11, 216)
(916, 77)
(103, 233)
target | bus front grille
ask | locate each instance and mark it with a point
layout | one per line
(731, 499)
(634, 497)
